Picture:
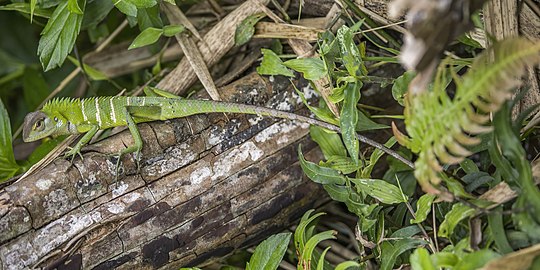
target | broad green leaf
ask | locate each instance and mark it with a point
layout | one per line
(35, 88)
(95, 12)
(8, 166)
(365, 123)
(272, 65)
(420, 260)
(423, 207)
(127, 8)
(172, 30)
(401, 85)
(451, 219)
(26, 8)
(318, 174)
(93, 73)
(337, 192)
(343, 164)
(73, 7)
(444, 259)
(406, 232)
(329, 142)
(350, 54)
(58, 37)
(347, 265)
(246, 29)
(269, 253)
(149, 17)
(380, 190)
(349, 119)
(468, 166)
(149, 36)
(476, 259)
(312, 68)
(391, 252)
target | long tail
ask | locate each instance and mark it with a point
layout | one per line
(206, 106)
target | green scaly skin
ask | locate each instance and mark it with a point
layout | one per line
(76, 116)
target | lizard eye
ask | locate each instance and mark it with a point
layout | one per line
(39, 125)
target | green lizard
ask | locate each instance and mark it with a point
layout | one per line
(67, 116)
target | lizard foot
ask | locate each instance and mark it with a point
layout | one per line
(71, 153)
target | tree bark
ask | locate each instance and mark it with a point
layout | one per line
(206, 185)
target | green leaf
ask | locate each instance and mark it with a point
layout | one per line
(312, 68)
(349, 119)
(8, 166)
(476, 259)
(343, 164)
(58, 37)
(350, 54)
(380, 190)
(26, 8)
(149, 36)
(496, 226)
(346, 265)
(365, 123)
(307, 253)
(423, 207)
(73, 7)
(93, 73)
(320, 264)
(149, 17)
(172, 30)
(453, 217)
(127, 8)
(95, 12)
(269, 253)
(33, 4)
(302, 231)
(272, 65)
(391, 252)
(318, 174)
(420, 260)
(401, 85)
(329, 142)
(246, 29)
(35, 88)
(444, 259)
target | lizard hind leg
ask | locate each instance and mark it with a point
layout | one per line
(136, 147)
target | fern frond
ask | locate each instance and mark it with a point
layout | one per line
(440, 128)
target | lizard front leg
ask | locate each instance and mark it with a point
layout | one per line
(76, 150)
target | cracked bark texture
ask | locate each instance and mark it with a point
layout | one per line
(207, 184)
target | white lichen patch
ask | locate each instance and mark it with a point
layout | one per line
(277, 128)
(198, 175)
(284, 105)
(308, 92)
(115, 207)
(255, 120)
(60, 231)
(43, 184)
(175, 158)
(131, 197)
(55, 202)
(225, 164)
(119, 189)
(18, 254)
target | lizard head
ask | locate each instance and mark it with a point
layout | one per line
(38, 125)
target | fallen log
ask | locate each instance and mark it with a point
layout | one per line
(207, 184)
